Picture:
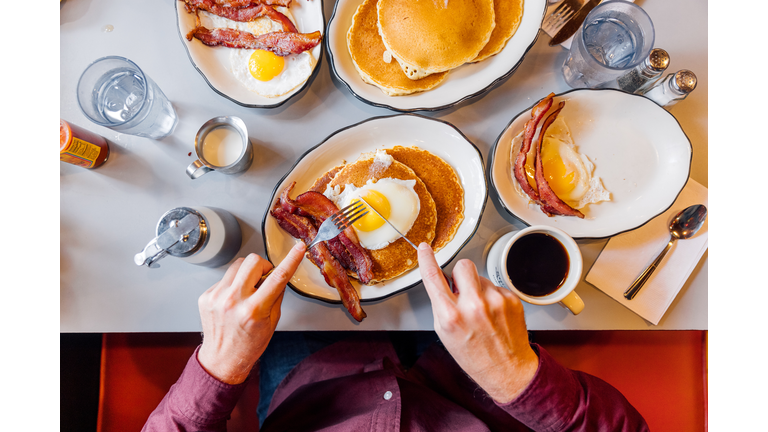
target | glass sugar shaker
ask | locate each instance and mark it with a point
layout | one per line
(205, 236)
(646, 74)
(673, 88)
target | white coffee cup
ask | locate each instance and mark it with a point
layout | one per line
(564, 294)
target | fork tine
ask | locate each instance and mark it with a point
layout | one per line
(346, 211)
(348, 222)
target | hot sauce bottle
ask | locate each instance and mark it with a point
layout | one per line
(81, 147)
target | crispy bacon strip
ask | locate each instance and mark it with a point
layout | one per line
(551, 204)
(319, 207)
(280, 43)
(301, 227)
(237, 3)
(244, 14)
(537, 113)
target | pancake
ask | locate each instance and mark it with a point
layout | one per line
(430, 36)
(320, 184)
(444, 186)
(508, 14)
(367, 52)
(398, 257)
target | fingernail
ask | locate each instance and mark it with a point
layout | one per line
(425, 247)
(300, 246)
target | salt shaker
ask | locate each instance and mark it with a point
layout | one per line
(673, 88)
(644, 75)
(205, 236)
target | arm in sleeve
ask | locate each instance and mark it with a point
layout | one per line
(197, 402)
(560, 399)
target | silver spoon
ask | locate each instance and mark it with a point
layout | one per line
(684, 225)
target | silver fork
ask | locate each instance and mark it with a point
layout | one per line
(560, 15)
(339, 221)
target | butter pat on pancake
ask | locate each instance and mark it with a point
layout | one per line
(508, 15)
(430, 36)
(444, 186)
(368, 51)
(398, 257)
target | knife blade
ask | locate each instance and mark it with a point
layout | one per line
(387, 221)
(570, 28)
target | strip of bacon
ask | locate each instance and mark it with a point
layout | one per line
(244, 14)
(551, 204)
(301, 228)
(246, 3)
(280, 43)
(319, 207)
(537, 113)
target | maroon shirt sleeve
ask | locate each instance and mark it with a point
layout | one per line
(197, 402)
(560, 399)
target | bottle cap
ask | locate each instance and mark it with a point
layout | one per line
(684, 81)
(657, 60)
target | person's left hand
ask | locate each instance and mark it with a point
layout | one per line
(238, 320)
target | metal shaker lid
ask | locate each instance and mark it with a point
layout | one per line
(192, 241)
(658, 60)
(684, 81)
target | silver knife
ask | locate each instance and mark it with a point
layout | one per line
(387, 221)
(574, 23)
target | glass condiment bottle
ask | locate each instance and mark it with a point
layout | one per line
(644, 75)
(673, 88)
(81, 147)
(205, 236)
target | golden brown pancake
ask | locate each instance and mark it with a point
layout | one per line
(444, 186)
(430, 36)
(398, 257)
(320, 184)
(367, 51)
(508, 14)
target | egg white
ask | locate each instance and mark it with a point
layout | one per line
(403, 200)
(298, 67)
(589, 188)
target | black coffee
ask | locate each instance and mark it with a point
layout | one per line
(537, 264)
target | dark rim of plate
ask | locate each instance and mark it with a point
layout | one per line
(493, 84)
(309, 151)
(492, 158)
(303, 87)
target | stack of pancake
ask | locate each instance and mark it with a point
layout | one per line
(441, 199)
(408, 46)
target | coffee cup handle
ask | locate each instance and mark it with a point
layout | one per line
(573, 303)
(196, 169)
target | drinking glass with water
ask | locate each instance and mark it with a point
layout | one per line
(114, 92)
(615, 37)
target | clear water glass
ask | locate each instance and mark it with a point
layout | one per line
(115, 93)
(616, 36)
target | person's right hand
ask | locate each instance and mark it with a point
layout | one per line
(482, 327)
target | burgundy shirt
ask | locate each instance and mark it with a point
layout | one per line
(358, 384)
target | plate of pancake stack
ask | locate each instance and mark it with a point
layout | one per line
(428, 55)
(421, 168)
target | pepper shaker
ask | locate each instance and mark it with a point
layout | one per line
(673, 88)
(642, 77)
(205, 236)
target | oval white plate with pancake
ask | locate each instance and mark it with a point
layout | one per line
(639, 150)
(462, 83)
(438, 137)
(214, 65)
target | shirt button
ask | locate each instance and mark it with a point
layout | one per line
(388, 395)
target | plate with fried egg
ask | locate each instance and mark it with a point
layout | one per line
(254, 78)
(426, 176)
(355, 49)
(620, 159)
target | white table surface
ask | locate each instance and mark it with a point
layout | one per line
(109, 214)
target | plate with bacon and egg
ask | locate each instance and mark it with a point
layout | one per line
(422, 174)
(257, 53)
(594, 163)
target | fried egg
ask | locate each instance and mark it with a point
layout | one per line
(395, 199)
(569, 173)
(261, 71)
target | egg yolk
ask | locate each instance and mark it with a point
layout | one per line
(265, 65)
(372, 221)
(560, 179)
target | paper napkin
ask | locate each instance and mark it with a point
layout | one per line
(626, 256)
